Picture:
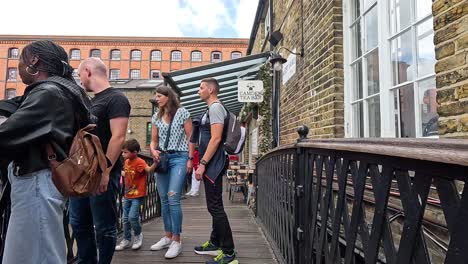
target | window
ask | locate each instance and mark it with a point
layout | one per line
(156, 55)
(390, 87)
(115, 54)
(95, 53)
(12, 73)
(114, 74)
(148, 133)
(176, 55)
(75, 74)
(10, 93)
(216, 56)
(135, 55)
(155, 74)
(135, 74)
(236, 55)
(75, 54)
(196, 56)
(13, 53)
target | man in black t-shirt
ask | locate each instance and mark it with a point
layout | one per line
(96, 217)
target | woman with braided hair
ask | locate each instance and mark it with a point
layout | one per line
(49, 112)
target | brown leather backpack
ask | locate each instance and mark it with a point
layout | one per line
(79, 175)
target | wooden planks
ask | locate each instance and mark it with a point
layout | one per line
(251, 245)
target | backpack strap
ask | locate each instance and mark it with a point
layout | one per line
(226, 119)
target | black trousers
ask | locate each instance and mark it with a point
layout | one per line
(221, 234)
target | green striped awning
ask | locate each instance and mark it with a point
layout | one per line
(228, 73)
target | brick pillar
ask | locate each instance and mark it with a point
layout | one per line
(451, 43)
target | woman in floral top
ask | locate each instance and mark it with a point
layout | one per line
(180, 156)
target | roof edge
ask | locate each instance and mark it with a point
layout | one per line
(253, 33)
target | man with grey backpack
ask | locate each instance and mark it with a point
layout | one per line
(212, 167)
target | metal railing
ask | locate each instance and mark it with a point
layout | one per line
(150, 210)
(365, 200)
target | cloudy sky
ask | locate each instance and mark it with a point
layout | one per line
(150, 18)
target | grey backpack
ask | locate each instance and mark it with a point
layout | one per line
(233, 133)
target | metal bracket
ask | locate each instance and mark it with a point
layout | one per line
(299, 234)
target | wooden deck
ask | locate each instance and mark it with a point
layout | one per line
(251, 245)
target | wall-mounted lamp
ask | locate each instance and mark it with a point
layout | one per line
(277, 61)
(276, 37)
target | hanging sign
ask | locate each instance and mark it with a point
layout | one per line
(250, 91)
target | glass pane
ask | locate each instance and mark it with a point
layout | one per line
(358, 116)
(367, 3)
(356, 9)
(426, 53)
(428, 108)
(373, 108)
(356, 36)
(404, 107)
(402, 58)
(373, 72)
(423, 8)
(372, 31)
(357, 76)
(400, 15)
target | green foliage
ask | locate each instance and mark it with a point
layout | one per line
(265, 110)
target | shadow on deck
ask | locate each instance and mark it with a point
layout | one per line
(251, 245)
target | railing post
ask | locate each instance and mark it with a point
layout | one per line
(299, 219)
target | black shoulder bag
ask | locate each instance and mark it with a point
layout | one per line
(163, 165)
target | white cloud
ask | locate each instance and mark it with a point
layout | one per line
(246, 10)
(125, 18)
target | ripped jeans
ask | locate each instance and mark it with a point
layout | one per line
(170, 188)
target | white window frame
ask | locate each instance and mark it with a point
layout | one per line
(236, 53)
(175, 57)
(73, 56)
(136, 55)
(132, 71)
(116, 57)
(93, 51)
(153, 71)
(12, 74)
(154, 56)
(112, 72)
(387, 88)
(213, 60)
(195, 58)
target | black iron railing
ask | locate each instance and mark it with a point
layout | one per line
(366, 200)
(150, 210)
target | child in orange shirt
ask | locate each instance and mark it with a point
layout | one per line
(135, 172)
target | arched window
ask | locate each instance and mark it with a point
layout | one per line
(96, 53)
(176, 55)
(114, 74)
(13, 53)
(196, 55)
(75, 54)
(135, 55)
(115, 54)
(236, 55)
(216, 56)
(155, 74)
(156, 55)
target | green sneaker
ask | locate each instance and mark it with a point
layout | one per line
(224, 259)
(207, 249)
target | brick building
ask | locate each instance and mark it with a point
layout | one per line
(126, 57)
(135, 64)
(370, 68)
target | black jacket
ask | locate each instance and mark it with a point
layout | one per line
(46, 114)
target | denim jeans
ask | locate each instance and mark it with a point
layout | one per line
(35, 231)
(131, 217)
(95, 218)
(169, 188)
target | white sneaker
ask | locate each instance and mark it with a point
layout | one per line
(122, 245)
(194, 194)
(163, 243)
(189, 193)
(137, 241)
(174, 250)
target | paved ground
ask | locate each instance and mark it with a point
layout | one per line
(251, 245)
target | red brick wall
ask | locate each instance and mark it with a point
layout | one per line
(125, 44)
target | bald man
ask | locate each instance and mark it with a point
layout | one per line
(96, 217)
